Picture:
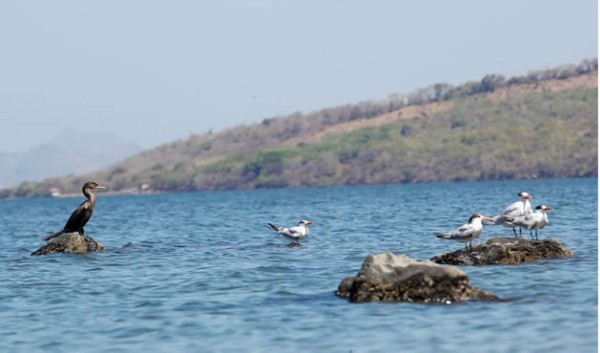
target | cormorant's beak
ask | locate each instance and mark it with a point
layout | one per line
(100, 187)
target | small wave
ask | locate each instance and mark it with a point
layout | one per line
(286, 293)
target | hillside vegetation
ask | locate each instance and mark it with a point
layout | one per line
(541, 125)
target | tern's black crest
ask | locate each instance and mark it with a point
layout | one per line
(473, 216)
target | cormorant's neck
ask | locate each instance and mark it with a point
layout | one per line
(90, 196)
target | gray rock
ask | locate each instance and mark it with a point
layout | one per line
(387, 278)
(69, 243)
(505, 251)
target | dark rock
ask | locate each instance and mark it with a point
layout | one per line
(505, 251)
(69, 243)
(397, 278)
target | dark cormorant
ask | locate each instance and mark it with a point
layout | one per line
(82, 214)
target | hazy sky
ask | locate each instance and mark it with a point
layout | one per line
(156, 71)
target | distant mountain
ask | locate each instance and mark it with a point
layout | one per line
(542, 125)
(70, 152)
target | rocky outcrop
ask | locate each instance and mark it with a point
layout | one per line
(505, 251)
(69, 243)
(397, 278)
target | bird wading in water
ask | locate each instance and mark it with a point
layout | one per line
(82, 214)
(296, 233)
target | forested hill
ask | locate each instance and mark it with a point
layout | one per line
(541, 125)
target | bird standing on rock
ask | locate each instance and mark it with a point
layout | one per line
(514, 210)
(296, 233)
(534, 221)
(82, 214)
(467, 232)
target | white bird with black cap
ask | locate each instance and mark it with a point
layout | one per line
(296, 233)
(533, 221)
(467, 232)
(514, 210)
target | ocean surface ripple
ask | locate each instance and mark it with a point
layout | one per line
(198, 272)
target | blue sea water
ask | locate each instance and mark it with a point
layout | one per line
(200, 272)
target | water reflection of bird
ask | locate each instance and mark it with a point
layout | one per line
(82, 214)
(467, 232)
(296, 233)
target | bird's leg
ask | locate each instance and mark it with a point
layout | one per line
(80, 231)
(515, 231)
(536, 235)
(520, 234)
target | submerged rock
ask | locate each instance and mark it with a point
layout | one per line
(387, 277)
(505, 251)
(69, 243)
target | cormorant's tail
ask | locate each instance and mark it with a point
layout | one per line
(53, 235)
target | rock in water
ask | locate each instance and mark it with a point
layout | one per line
(69, 243)
(387, 277)
(505, 251)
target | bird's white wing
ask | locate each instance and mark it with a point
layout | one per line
(292, 232)
(514, 210)
(463, 232)
(296, 231)
(529, 221)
